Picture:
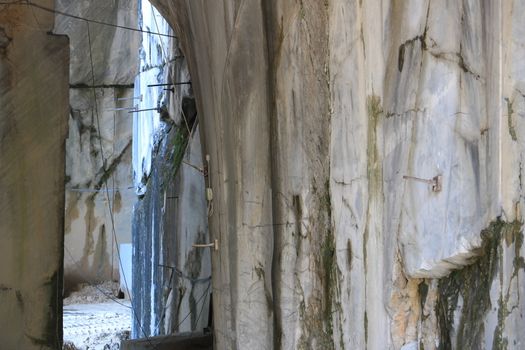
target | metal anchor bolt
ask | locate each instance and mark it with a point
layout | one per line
(215, 245)
(436, 182)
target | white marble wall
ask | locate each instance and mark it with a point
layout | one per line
(356, 95)
(99, 140)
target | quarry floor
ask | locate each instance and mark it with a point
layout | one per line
(94, 325)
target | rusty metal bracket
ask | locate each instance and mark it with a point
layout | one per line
(436, 182)
(202, 171)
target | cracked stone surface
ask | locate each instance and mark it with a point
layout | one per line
(90, 253)
(312, 114)
(99, 140)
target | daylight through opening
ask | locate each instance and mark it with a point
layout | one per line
(135, 204)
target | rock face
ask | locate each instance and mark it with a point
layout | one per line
(115, 51)
(171, 279)
(90, 251)
(33, 126)
(325, 123)
(99, 186)
(160, 63)
(312, 113)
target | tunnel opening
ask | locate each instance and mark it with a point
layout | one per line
(135, 202)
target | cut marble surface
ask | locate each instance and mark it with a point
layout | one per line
(114, 51)
(393, 88)
(33, 128)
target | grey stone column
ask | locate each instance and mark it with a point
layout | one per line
(34, 77)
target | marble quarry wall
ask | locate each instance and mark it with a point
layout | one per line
(171, 279)
(365, 163)
(99, 181)
(34, 73)
(364, 180)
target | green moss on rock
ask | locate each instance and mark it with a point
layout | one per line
(472, 285)
(512, 129)
(179, 141)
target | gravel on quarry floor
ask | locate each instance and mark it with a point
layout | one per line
(94, 322)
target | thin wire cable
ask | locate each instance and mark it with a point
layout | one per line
(198, 301)
(185, 317)
(166, 306)
(178, 272)
(114, 193)
(200, 313)
(92, 190)
(193, 166)
(6, 4)
(87, 20)
(164, 54)
(34, 16)
(165, 59)
(80, 18)
(101, 147)
(182, 275)
(184, 117)
(110, 207)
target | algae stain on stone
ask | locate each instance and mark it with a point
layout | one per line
(373, 169)
(318, 311)
(117, 202)
(106, 171)
(365, 326)
(401, 57)
(329, 266)
(178, 148)
(101, 260)
(374, 175)
(90, 224)
(422, 292)
(349, 254)
(510, 121)
(181, 293)
(374, 172)
(72, 212)
(472, 284)
(259, 270)
(331, 272)
(193, 266)
(511, 234)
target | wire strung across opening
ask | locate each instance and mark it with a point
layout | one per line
(80, 18)
(104, 162)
